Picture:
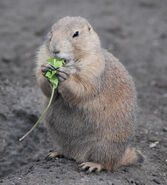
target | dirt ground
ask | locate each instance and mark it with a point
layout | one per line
(135, 31)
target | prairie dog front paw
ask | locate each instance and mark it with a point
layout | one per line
(64, 72)
(46, 67)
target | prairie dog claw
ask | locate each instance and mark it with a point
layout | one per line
(53, 155)
(64, 72)
(47, 67)
(91, 167)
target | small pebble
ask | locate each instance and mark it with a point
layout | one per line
(153, 145)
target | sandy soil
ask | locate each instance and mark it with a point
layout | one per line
(135, 31)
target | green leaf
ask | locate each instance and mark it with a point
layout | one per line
(51, 75)
(51, 60)
(54, 81)
(48, 74)
(56, 62)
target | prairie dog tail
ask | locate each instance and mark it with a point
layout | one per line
(131, 156)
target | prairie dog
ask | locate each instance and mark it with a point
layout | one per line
(93, 115)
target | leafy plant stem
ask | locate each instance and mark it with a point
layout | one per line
(41, 117)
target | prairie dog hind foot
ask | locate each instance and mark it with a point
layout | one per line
(54, 155)
(91, 167)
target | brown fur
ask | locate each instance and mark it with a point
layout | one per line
(93, 116)
(129, 157)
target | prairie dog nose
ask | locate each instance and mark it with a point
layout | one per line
(55, 52)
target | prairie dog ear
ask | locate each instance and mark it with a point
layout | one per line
(89, 27)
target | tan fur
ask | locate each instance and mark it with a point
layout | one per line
(43, 55)
(129, 157)
(93, 116)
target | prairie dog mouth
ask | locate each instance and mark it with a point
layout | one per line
(65, 56)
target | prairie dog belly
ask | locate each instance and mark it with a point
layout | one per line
(67, 121)
(70, 130)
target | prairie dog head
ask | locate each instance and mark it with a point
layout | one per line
(72, 38)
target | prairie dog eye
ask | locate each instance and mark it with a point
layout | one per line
(76, 34)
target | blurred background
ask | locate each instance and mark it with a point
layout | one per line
(135, 31)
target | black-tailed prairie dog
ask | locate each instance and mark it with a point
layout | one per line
(92, 117)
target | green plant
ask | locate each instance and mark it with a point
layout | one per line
(51, 76)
